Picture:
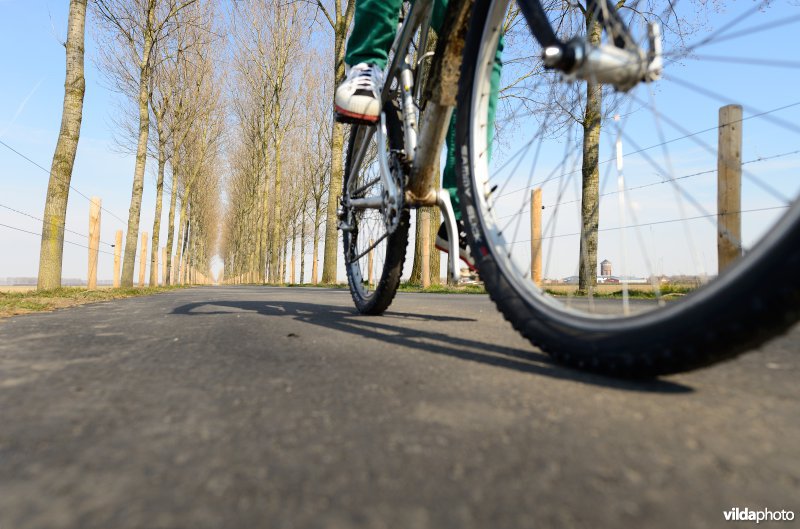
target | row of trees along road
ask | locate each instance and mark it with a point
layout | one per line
(161, 56)
(232, 100)
(280, 147)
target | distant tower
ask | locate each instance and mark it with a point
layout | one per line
(605, 268)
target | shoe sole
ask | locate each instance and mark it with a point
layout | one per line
(439, 246)
(343, 116)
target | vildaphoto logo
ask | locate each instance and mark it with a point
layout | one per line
(762, 515)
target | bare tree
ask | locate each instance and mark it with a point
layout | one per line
(339, 15)
(160, 102)
(285, 27)
(133, 29)
(559, 105)
(590, 170)
(253, 107)
(55, 209)
(271, 64)
(317, 159)
(188, 91)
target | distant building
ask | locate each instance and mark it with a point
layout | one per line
(605, 268)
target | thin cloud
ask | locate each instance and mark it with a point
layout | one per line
(21, 106)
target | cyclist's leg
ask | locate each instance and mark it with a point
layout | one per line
(449, 173)
(374, 27)
(437, 18)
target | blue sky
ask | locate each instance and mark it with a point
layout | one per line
(31, 95)
(755, 84)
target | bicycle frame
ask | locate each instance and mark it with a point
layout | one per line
(423, 143)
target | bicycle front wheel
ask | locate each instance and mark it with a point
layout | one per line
(685, 188)
(375, 239)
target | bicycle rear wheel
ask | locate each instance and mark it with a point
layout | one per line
(633, 178)
(375, 239)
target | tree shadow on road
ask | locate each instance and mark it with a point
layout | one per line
(480, 351)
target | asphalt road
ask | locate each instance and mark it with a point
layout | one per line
(281, 408)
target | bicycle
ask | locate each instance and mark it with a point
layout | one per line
(390, 168)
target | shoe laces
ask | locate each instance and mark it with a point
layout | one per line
(364, 76)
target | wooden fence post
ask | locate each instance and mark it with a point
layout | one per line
(164, 266)
(117, 256)
(292, 277)
(425, 242)
(729, 186)
(314, 264)
(143, 259)
(94, 241)
(536, 236)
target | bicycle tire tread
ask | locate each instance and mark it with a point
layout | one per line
(386, 289)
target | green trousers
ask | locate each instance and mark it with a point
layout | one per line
(374, 28)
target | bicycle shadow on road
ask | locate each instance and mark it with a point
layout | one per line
(480, 351)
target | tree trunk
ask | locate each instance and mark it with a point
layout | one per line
(275, 269)
(263, 238)
(435, 263)
(162, 162)
(303, 243)
(264, 231)
(434, 219)
(281, 263)
(416, 268)
(183, 234)
(55, 208)
(173, 200)
(192, 260)
(329, 265)
(315, 243)
(590, 198)
(184, 251)
(134, 212)
(294, 254)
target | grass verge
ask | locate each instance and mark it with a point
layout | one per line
(615, 292)
(13, 303)
(338, 286)
(442, 289)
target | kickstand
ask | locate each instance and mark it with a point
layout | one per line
(446, 207)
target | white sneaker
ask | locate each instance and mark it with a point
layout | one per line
(358, 98)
